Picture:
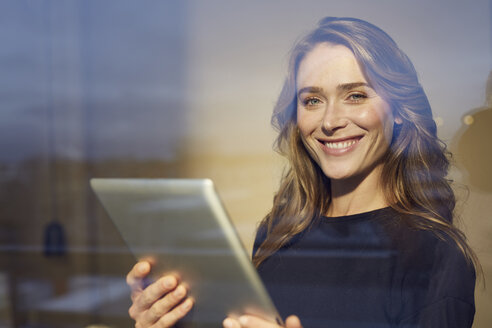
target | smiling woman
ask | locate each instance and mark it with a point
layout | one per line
(364, 215)
(361, 230)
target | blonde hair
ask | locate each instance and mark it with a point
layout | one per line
(415, 165)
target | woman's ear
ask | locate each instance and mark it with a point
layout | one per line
(398, 120)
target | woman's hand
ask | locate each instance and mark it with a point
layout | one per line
(159, 305)
(249, 321)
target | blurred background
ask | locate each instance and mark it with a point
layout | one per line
(185, 89)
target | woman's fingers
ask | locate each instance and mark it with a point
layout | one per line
(293, 322)
(135, 277)
(165, 305)
(231, 323)
(172, 317)
(249, 321)
(160, 304)
(138, 272)
(153, 293)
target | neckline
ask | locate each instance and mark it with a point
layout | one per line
(358, 216)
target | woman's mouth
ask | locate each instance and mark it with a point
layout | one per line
(340, 146)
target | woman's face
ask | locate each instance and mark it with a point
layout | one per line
(345, 125)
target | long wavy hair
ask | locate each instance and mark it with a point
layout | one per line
(415, 165)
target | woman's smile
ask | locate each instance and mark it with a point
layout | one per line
(339, 146)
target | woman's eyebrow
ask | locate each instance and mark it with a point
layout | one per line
(310, 90)
(350, 86)
(340, 87)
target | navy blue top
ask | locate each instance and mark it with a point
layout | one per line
(370, 270)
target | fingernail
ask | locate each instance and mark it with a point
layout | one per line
(227, 323)
(187, 305)
(243, 321)
(168, 282)
(142, 268)
(180, 291)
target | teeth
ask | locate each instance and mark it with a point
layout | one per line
(340, 145)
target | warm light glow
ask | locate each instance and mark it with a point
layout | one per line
(468, 120)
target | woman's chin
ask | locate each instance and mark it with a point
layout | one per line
(337, 175)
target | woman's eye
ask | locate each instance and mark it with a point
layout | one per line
(312, 102)
(357, 97)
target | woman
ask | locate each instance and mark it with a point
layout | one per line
(360, 233)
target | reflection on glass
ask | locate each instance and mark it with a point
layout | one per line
(161, 89)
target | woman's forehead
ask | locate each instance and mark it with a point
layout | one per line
(329, 63)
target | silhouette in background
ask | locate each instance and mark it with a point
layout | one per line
(472, 147)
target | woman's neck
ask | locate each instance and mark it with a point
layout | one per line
(357, 194)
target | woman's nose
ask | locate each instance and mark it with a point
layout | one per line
(333, 119)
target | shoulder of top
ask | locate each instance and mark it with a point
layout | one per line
(437, 251)
(424, 242)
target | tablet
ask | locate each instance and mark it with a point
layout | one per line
(182, 225)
